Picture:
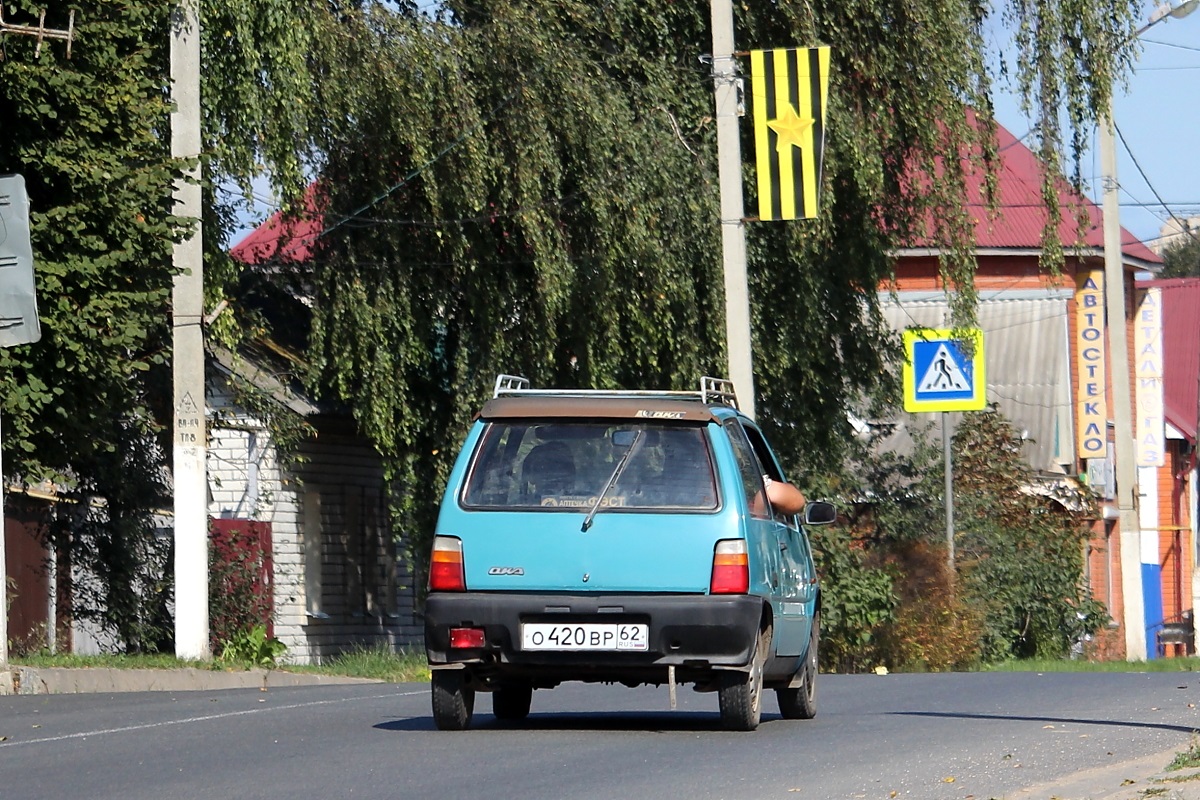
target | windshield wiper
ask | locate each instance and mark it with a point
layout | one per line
(616, 473)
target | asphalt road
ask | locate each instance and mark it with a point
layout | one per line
(917, 736)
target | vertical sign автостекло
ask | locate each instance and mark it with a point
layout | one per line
(1091, 409)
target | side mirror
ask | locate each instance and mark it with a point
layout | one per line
(818, 512)
(623, 438)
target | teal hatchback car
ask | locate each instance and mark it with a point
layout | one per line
(619, 537)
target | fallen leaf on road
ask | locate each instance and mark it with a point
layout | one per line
(1128, 782)
(948, 779)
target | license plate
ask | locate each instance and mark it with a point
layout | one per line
(585, 636)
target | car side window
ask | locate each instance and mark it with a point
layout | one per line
(748, 469)
(768, 466)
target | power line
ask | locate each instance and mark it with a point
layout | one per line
(1173, 45)
(1184, 227)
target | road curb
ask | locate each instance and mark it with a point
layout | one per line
(55, 680)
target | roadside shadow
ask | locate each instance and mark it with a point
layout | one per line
(1061, 720)
(604, 721)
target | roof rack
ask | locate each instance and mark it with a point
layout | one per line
(507, 384)
(712, 390)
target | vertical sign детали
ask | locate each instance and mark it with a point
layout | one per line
(1151, 439)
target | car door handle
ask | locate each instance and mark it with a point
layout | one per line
(783, 546)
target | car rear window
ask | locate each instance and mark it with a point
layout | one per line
(566, 465)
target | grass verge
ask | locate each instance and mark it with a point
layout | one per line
(1080, 665)
(377, 663)
(1187, 759)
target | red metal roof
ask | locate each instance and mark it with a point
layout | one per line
(1021, 216)
(1181, 351)
(290, 238)
(1018, 224)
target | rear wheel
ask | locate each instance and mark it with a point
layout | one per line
(740, 693)
(453, 700)
(801, 702)
(512, 702)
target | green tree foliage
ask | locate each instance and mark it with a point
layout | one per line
(1181, 259)
(531, 187)
(505, 187)
(82, 407)
(88, 406)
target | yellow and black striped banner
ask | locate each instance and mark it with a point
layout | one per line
(789, 93)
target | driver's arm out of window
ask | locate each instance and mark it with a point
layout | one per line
(784, 497)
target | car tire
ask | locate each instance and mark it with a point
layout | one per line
(511, 703)
(453, 700)
(801, 702)
(740, 693)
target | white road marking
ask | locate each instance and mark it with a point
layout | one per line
(205, 718)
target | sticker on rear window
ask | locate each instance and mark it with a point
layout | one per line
(645, 413)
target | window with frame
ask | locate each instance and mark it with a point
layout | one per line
(749, 469)
(572, 465)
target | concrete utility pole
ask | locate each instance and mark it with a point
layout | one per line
(190, 434)
(733, 226)
(1114, 291)
(1126, 472)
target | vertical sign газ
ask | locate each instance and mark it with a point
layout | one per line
(1091, 409)
(1148, 372)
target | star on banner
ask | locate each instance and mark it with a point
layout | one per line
(791, 128)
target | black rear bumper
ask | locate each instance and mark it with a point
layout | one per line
(694, 633)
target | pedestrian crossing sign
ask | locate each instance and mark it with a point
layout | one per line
(944, 373)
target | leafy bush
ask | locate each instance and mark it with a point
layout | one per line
(856, 601)
(889, 597)
(935, 629)
(253, 647)
(1020, 553)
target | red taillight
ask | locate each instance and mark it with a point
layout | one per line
(446, 566)
(731, 568)
(466, 638)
